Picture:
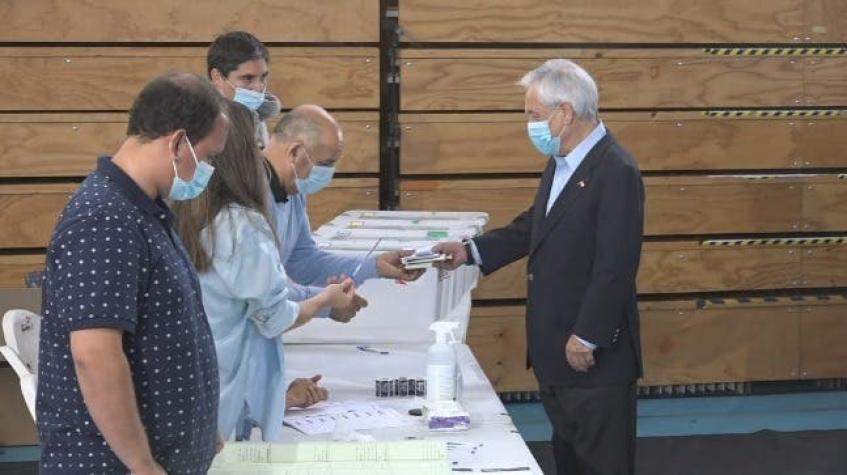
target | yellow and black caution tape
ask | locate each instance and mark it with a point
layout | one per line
(783, 51)
(793, 241)
(787, 113)
(793, 299)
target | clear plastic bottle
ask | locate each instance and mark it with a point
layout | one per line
(441, 368)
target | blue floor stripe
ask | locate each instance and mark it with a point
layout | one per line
(713, 415)
(21, 453)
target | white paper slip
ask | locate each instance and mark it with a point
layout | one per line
(331, 452)
(356, 416)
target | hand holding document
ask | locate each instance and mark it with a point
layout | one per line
(423, 258)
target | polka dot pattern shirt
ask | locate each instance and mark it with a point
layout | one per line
(114, 261)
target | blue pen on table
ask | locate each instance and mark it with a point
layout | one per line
(359, 267)
(371, 350)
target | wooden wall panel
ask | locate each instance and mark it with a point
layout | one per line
(502, 199)
(28, 213)
(687, 267)
(497, 143)
(497, 336)
(507, 283)
(826, 20)
(57, 145)
(184, 20)
(606, 21)
(67, 145)
(823, 331)
(720, 344)
(108, 79)
(439, 80)
(825, 266)
(825, 205)
(825, 84)
(341, 195)
(16, 425)
(15, 267)
(674, 205)
(702, 205)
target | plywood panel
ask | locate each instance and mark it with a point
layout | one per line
(674, 205)
(823, 330)
(826, 21)
(15, 267)
(435, 80)
(67, 145)
(682, 267)
(108, 79)
(497, 336)
(341, 195)
(507, 283)
(28, 213)
(16, 425)
(825, 205)
(721, 344)
(497, 142)
(50, 145)
(183, 20)
(825, 266)
(705, 205)
(502, 199)
(603, 21)
(825, 84)
(361, 141)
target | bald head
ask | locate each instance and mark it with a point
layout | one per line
(313, 126)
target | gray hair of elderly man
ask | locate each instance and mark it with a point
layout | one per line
(562, 80)
(311, 125)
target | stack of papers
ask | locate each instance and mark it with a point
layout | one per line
(417, 457)
(423, 258)
(323, 418)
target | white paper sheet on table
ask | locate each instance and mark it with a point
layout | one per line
(323, 418)
(330, 458)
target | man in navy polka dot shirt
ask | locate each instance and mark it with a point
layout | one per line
(128, 379)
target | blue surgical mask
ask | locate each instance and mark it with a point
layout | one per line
(319, 177)
(248, 98)
(542, 137)
(182, 190)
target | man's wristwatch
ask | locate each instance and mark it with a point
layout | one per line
(467, 243)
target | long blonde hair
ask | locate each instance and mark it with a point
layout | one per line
(241, 178)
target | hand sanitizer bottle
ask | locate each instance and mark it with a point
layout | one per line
(441, 364)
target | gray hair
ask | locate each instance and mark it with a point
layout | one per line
(562, 80)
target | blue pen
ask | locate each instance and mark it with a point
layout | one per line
(359, 267)
(371, 350)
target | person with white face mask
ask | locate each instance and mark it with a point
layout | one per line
(302, 153)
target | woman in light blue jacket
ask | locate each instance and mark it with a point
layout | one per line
(228, 234)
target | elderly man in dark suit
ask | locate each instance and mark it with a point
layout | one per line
(583, 237)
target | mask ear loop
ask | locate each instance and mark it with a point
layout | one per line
(193, 155)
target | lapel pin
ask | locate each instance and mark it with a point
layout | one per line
(581, 184)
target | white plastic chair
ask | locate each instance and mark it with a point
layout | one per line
(20, 329)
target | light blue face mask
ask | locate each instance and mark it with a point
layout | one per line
(248, 98)
(542, 137)
(318, 179)
(182, 190)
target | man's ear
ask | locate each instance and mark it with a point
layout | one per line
(216, 76)
(567, 112)
(175, 141)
